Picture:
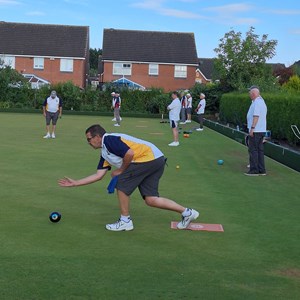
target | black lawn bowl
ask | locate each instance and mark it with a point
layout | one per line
(55, 217)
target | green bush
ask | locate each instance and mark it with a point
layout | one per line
(293, 84)
(283, 111)
(213, 93)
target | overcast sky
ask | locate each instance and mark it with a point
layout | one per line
(208, 20)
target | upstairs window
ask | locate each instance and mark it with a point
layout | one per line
(38, 63)
(7, 61)
(66, 65)
(153, 69)
(121, 69)
(180, 72)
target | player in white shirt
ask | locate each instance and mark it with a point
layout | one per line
(257, 126)
(52, 109)
(189, 108)
(174, 112)
(200, 111)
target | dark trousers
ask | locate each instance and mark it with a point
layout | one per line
(256, 153)
(183, 114)
(200, 119)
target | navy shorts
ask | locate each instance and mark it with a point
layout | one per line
(173, 124)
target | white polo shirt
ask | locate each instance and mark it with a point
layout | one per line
(201, 110)
(257, 108)
(52, 104)
(189, 102)
(174, 110)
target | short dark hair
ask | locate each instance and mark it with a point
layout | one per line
(175, 93)
(96, 130)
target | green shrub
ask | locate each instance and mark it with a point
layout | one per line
(283, 111)
(293, 84)
(213, 93)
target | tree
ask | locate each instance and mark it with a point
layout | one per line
(13, 86)
(94, 59)
(296, 67)
(242, 62)
(284, 75)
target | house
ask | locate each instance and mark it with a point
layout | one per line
(149, 59)
(55, 53)
(204, 73)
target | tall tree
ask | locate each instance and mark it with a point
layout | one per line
(94, 59)
(241, 62)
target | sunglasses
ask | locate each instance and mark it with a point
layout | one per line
(89, 139)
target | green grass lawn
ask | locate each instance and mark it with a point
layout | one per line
(257, 257)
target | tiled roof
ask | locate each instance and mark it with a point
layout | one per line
(44, 40)
(206, 66)
(149, 46)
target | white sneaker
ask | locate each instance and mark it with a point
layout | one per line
(188, 121)
(47, 136)
(185, 221)
(199, 129)
(174, 144)
(120, 226)
(182, 122)
(53, 135)
(114, 119)
(120, 119)
(117, 125)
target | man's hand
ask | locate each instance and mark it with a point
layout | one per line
(251, 132)
(116, 172)
(67, 182)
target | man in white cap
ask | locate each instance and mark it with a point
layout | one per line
(189, 108)
(200, 111)
(52, 109)
(113, 94)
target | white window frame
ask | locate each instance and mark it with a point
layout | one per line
(180, 71)
(66, 65)
(153, 69)
(122, 68)
(8, 61)
(38, 63)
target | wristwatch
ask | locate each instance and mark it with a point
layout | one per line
(252, 127)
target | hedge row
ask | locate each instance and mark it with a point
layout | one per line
(154, 101)
(283, 111)
(133, 101)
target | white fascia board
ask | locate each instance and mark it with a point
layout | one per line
(145, 62)
(43, 56)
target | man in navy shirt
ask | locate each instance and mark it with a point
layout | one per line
(138, 164)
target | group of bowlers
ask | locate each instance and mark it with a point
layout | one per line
(140, 164)
(181, 110)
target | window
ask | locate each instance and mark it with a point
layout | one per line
(66, 65)
(180, 71)
(153, 69)
(121, 69)
(7, 61)
(38, 63)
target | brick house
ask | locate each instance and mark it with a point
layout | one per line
(165, 60)
(204, 73)
(55, 53)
